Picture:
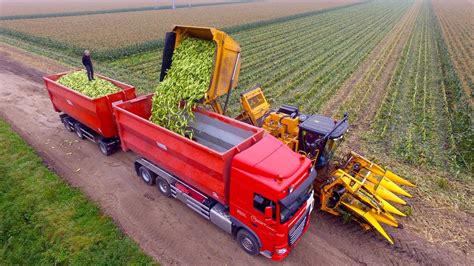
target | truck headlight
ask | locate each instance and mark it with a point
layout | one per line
(281, 251)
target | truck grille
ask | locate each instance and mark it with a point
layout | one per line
(297, 230)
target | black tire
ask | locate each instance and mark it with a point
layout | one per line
(163, 186)
(147, 176)
(248, 242)
(67, 126)
(104, 148)
(77, 128)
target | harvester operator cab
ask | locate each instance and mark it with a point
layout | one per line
(319, 137)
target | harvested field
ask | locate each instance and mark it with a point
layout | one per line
(107, 31)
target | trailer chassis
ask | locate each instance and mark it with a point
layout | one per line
(107, 146)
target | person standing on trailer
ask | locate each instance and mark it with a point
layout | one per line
(87, 62)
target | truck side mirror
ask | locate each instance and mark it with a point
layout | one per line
(269, 212)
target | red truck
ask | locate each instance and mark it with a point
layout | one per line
(244, 181)
(89, 118)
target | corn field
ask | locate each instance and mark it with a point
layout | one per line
(403, 70)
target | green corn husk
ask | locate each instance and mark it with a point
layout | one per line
(96, 88)
(184, 85)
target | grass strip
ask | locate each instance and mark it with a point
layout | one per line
(44, 221)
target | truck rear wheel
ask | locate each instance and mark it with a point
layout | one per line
(147, 176)
(163, 186)
(104, 148)
(248, 242)
(78, 129)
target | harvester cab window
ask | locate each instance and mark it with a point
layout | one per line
(310, 144)
(256, 101)
(329, 150)
(260, 203)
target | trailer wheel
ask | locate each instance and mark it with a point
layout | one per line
(146, 175)
(67, 126)
(104, 148)
(163, 186)
(77, 128)
(248, 242)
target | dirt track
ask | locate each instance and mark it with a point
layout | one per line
(165, 228)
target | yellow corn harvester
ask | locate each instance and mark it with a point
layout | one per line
(360, 189)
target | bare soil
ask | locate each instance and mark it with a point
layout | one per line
(164, 228)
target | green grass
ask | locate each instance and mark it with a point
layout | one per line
(44, 221)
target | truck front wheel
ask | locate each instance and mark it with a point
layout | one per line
(146, 175)
(248, 242)
(163, 186)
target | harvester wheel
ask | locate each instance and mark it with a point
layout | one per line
(248, 242)
(147, 176)
(104, 148)
(163, 186)
(78, 129)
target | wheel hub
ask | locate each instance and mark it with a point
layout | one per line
(163, 187)
(247, 244)
(146, 176)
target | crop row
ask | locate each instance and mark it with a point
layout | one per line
(366, 90)
(454, 19)
(301, 56)
(139, 57)
(419, 120)
(129, 33)
(309, 63)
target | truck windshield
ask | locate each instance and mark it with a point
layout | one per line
(295, 200)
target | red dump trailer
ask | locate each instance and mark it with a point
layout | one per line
(89, 118)
(246, 182)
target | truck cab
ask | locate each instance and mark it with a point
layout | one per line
(271, 198)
